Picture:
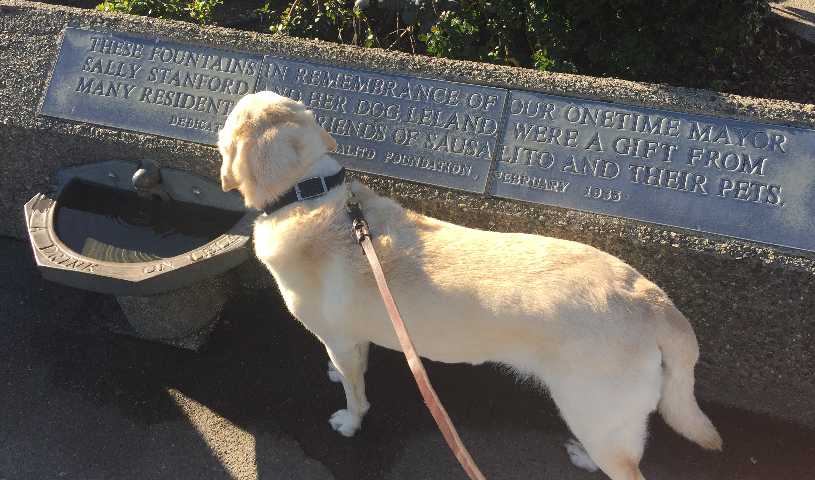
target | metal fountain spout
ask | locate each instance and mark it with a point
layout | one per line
(147, 182)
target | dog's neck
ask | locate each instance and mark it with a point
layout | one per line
(325, 167)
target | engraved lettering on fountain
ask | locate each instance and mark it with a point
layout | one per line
(546, 134)
(327, 101)
(213, 249)
(345, 127)
(421, 129)
(58, 257)
(110, 46)
(277, 82)
(158, 267)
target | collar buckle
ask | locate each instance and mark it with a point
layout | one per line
(308, 188)
(305, 189)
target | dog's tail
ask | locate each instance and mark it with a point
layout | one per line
(678, 406)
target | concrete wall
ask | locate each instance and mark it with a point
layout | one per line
(751, 305)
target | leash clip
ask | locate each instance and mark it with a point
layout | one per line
(358, 223)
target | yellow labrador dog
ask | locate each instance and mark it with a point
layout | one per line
(608, 344)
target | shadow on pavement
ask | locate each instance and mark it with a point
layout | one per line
(84, 403)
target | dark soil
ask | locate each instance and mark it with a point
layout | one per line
(780, 65)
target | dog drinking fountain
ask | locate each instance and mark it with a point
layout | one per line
(159, 239)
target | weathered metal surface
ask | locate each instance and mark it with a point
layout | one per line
(148, 85)
(430, 131)
(746, 180)
(61, 264)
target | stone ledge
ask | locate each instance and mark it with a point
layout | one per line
(750, 304)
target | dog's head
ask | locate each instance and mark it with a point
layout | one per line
(268, 142)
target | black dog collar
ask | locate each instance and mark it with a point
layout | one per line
(309, 188)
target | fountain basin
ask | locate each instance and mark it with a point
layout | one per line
(162, 249)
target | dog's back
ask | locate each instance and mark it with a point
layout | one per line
(609, 345)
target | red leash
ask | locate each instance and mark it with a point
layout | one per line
(363, 235)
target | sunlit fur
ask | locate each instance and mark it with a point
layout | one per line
(608, 344)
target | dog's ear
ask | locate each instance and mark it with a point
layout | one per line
(227, 149)
(228, 180)
(264, 166)
(325, 138)
(328, 140)
(267, 144)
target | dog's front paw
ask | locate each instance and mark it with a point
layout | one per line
(333, 374)
(345, 422)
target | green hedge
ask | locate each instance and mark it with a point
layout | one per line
(199, 11)
(686, 42)
(657, 40)
(679, 41)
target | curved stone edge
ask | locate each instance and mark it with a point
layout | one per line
(61, 264)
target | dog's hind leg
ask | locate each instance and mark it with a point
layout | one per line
(615, 462)
(350, 362)
(614, 438)
(608, 412)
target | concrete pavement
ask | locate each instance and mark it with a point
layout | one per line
(77, 402)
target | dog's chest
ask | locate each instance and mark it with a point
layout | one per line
(301, 258)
